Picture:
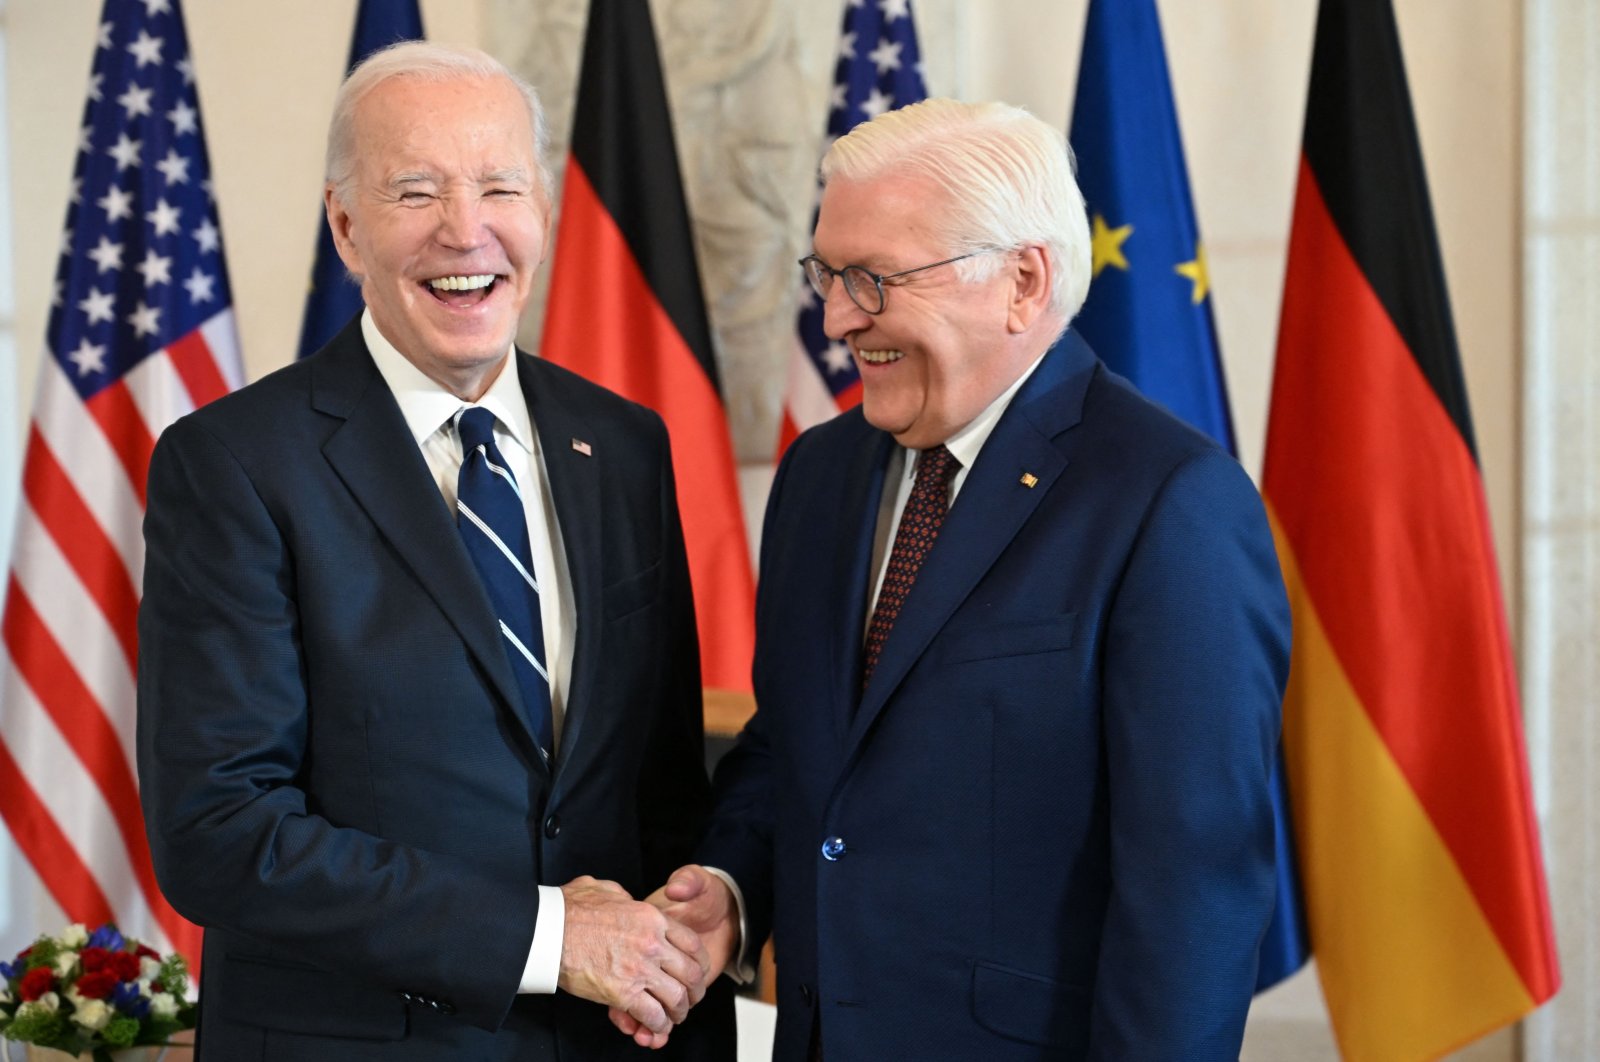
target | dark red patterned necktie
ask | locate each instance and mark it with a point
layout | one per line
(919, 526)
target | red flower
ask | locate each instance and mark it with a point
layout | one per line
(146, 953)
(35, 983)
(93, 959)
(96, 985)
(125, 964)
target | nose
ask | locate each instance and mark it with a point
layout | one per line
(840, 314)
(461, 225)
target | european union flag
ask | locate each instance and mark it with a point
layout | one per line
(334, 297)
(1149, 309)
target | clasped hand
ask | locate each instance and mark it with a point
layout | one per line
(629, 955)
(700, 902)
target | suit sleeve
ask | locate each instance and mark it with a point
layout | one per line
(739, 840)
(674, 794)
(1196, 656)
(222, 750)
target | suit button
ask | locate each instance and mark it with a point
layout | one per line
(408, 997)
(832, 849)
(552, 827)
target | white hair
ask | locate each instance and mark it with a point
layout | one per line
(1009, 177)
(424, 61)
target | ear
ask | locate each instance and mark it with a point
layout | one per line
(342, 226)
(1031, 288)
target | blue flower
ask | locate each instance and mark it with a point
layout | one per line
(126, 998)
(10, 970)
(106, 937)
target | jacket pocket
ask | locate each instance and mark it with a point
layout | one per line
(1031, 1008)
(1010, 639)
(303, 999)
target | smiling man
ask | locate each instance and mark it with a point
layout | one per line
(1021, 642)
(419, 704)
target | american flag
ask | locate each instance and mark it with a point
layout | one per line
(879, 69)
(141, 331)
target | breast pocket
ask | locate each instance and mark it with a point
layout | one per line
(1025, 638)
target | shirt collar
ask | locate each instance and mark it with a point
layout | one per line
(965, 444)
(427, 407)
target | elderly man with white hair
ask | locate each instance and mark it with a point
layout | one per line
(1021, 645)
(419, 702)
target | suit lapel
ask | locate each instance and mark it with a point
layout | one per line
(575, 489)
(991, 509)
(852, 576)
(374, 454)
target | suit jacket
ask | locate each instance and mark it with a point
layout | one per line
(1044, 829)
(339, 782)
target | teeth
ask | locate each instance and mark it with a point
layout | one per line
(471, 283)
(880, 357)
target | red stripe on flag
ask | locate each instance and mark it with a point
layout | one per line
(56, 684)
(1384, 506)
(197, 368)
(83, 542)
(54, 858)
(114, 409)
(617, 334)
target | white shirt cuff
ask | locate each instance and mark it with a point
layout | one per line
(742, 970)
(543, 972)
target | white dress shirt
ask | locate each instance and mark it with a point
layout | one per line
(432, 414)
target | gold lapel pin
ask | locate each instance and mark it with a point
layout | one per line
(1030, 480)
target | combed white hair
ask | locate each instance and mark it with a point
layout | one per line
(425, 61)
(1009, 177)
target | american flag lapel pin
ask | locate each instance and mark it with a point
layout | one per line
(583, 448)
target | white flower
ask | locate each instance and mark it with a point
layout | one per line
(74, 936)
(65, 961)
(149, 970)
(164, 1005)
(92, 1014)
(49, 1001)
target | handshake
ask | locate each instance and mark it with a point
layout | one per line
(648, 961)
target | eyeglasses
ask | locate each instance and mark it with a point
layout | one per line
(864, 287)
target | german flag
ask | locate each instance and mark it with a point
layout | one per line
(1420, 856)
(626, 310)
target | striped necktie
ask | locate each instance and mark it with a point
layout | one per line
(494, 526)
(919, 526)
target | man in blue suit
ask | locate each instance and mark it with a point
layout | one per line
(1021, 645)
(387, 754)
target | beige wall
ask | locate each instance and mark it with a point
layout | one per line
(753, 74)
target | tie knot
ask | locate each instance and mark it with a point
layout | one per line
(476, 427)
(936, 465)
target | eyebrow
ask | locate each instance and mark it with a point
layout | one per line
(511, 173)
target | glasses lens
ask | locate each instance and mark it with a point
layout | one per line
(863, 288)
(820, 276)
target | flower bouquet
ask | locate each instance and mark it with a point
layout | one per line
(93, 993)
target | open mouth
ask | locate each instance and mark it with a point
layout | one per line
(462, 291)
(880, 357)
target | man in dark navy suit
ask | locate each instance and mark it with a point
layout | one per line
(1021, 645)
(404, 756)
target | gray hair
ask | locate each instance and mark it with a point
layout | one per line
(1009, 176)
(424, 61)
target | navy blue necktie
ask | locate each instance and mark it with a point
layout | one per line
(494, 526)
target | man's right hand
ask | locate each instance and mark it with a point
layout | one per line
(696, 898)
(628, 955)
